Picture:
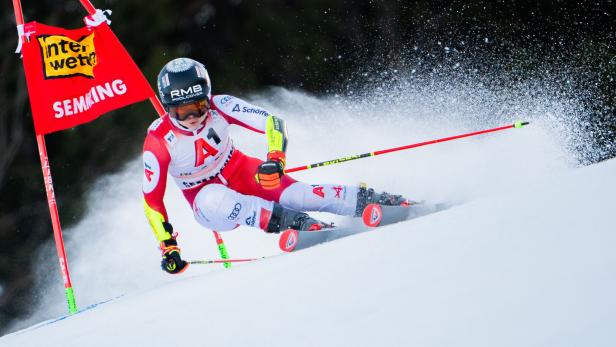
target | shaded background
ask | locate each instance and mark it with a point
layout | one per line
(322, 47)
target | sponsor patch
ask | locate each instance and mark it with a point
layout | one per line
(250, 221)
(372, 215)
(375, 216)
(151, 172)
(189, 93)
(236, 211)
(179, 65)
(225, 99)
(148, 173)
(82, 103)
(170, 137)
(338, 189)
(254, 110)
(288, 240)
(64, 57)
(166, 82)
(188, 184)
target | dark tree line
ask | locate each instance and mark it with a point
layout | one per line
(317, 45)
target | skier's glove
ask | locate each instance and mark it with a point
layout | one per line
(172, 261)
(270, 172)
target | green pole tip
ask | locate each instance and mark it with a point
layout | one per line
(70, 298)
(519, 124)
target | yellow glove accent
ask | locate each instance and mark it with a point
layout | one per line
(156, 220)
(276, 132)
(171, 266)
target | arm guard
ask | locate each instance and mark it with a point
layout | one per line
(157, 222)
(276, 133)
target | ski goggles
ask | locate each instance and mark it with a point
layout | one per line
(195, 109)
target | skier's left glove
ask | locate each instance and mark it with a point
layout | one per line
(270, 172)
(172, 261)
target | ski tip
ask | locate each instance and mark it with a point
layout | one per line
(288, 240)
(372, 215)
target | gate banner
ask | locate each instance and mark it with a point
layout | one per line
(75, 76)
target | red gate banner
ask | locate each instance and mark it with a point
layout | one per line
(74, 76)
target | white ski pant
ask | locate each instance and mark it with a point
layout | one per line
(218, 207)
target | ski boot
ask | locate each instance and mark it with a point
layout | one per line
(367, 196)
(377, 209)
(289, 223)
(284, 218)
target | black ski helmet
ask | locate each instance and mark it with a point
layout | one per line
(183, 81)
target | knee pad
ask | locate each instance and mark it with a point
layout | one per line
(210, 205)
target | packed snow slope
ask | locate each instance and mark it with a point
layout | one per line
(534, 266)
(524, 258)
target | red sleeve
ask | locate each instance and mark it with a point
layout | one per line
(156, 160)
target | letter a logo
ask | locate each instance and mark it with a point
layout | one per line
(148, 174)
(318, 191)
(202, 151)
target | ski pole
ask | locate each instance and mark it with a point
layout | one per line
(517, 124)
(218, 261)
(222, 249)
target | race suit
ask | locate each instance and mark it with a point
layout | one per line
(218, 180)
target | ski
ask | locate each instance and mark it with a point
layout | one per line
(374, 216)
(378, 215)
(292, 240)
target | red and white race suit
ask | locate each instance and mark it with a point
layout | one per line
(217, 179)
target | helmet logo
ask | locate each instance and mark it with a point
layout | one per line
(165, 80)
(179, 64)
(182, 94)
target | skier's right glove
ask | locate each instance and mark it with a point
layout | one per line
(172, 261)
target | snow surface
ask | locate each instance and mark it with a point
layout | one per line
(525, 258)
